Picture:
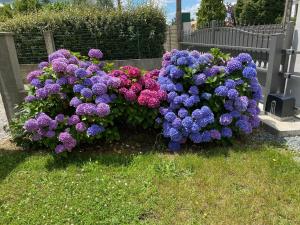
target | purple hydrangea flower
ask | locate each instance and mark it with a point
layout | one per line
(74, 119)
(71, 68)
(80, 73)
(60, 118)
(75, 102)
(42, 65)
(59, 149)
(99, 89)
(80, 127)
(215, 134)
(55, 55)
(86, 92)
(36, 83)
(88, 109)
(95, 53)
(59, 67)
(31, 125)
(30, 98)
(34, 74)
(41, 93)
(62, 81)
(52, 88)
(43, 120)
(114, 82)
(103, 99)
(66, 53)
(103, 109)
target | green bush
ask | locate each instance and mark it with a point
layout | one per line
(135, 33)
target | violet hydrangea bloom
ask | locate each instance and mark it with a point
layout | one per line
(95, 53)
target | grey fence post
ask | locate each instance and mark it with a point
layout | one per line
(213, 31)
(287, 44)
(49, 41)
(11, 85)
(274, 80)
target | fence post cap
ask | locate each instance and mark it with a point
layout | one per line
(6, 33)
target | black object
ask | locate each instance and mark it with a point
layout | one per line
(280, 105)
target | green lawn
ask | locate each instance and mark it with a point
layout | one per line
(254, 184)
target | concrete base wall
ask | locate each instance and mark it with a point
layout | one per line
(145, 64)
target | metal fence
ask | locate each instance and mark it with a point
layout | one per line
(265, 45)
(31, 47)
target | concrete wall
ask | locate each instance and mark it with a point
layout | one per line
(294, 83)
(146, 64)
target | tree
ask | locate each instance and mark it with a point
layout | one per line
(210, 10)
(259, 11)
(26, 5)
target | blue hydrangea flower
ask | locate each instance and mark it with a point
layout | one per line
(230, 84)
(182, 113)
(226, 132)
(193, 90)
(244, 58)
(225, 119)
(187, 122)
(221, 91)
(174, 146)
(233, 94)
(95, 129)
(233, 65)
(77, 88)
(86, 92)
(170, 116)
(249, 72)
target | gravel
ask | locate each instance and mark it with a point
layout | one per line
(293, 143)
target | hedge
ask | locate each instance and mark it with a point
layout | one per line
(138, 33)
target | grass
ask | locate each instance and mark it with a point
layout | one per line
(242, 184)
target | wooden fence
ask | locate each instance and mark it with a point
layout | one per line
(266, 45)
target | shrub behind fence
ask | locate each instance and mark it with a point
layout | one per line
(138, 33)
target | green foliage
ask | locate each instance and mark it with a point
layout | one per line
(26, 5)
(6, 12)
(135, 33)
(259, 11)
(210, 10)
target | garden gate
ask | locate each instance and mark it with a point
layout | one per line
(266, 43)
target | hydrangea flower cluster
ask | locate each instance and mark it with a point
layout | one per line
(136, 87)
(82, 92)
(207, 102)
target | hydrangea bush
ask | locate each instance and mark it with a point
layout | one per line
(193, 97)
(73, 99)
(209, 98)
